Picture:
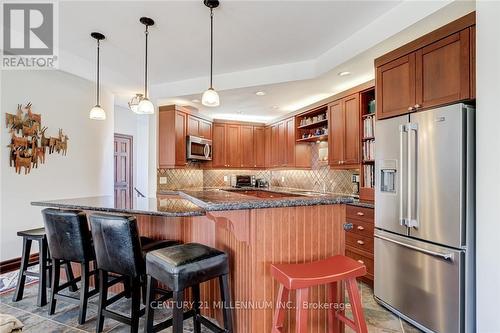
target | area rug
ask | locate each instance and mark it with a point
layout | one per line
(8, 281)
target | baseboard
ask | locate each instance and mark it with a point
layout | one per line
(14, 264)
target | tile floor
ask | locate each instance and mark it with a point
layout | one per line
(37, 320)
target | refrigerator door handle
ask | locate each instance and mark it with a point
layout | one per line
(411, 219)
(445, 256)
(402, 157)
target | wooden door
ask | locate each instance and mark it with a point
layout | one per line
(290, 142)
(259, 146)
(443, 71)
(123, 170)
(219, 146)
(233, 148)
(281, 146)
(336, 133)
(274, 146)
(205, 129)
(395, 87)
(351, 129)
(247, 146)
(268, 147)
(193, 126)
(473, 62)
(180, 138)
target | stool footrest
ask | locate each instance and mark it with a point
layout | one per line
(346, 320)
(168, 323)
(207, 323)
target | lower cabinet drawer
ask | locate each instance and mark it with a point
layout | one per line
(368, 262)
(359, 242)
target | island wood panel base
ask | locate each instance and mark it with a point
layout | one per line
(254, 239)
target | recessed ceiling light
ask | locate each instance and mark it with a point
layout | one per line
(344, 73)
(275, 107)
(195, 100)
(260, 93)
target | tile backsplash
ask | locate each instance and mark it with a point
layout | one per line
(319, 178)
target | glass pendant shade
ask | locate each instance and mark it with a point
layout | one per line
(97, 113)
(210, 98)
(145, 107)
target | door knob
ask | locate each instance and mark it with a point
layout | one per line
(361, 262)
(360, 228)
(348, 226)
(360, 214)
(418, 106)
(360, 242)
(411, 108)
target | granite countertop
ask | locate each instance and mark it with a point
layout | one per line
(362, 204)
(196, 202)
(162, 205)
(239, 198)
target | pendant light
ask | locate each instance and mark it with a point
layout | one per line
(133, 104)
(145, 105)
(211, 97)
(97, 113)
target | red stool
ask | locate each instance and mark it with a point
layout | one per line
(329, 271)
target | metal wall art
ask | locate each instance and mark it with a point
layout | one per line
(28, 141)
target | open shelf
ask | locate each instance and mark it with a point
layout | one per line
(366, 191)
(314, 138)
(315, 124)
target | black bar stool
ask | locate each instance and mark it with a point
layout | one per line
(119, 250)
(69, 240)
(180, 267)
(44, 269)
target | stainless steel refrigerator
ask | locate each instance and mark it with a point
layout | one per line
(424, 218)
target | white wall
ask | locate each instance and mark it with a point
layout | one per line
(64, 102)
(127, 122)
(488, 166)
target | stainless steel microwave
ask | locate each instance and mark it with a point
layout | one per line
(199, 148)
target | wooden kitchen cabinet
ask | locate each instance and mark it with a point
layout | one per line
(259, 146)
(199, 127)
(290, 142)
(285, 151)
(233, 148)
(247, 146)
(172, 137)
(344, 136)
(219, 146)
(395, 87)
(434, 70)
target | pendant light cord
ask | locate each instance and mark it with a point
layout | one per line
(146, 66)
(211, 45)
(97, 94)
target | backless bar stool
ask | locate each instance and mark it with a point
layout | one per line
(44, 269)
(119, 251)
(181, 267)
(69, 240)
(331, 272)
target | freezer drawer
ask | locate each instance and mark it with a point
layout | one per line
(421, 281)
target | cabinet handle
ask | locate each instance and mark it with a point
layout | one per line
(361, 262)
(339, 162)
(360, 242)
(360, 228)
(360, 214)
(411, 108)
(418, 106)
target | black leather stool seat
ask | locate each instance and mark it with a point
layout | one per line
(149, 244)
(185, 265)
(32, 233)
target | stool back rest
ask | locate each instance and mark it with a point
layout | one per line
(68, 235)
(117, 244)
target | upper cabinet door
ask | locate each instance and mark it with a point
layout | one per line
(336, 133)
(443, 71)
(290, 142)
(247, 146)
(281, 148)
(193, 126)
(219, 146)
(259, 146)
(395, 87)
(274, 158)
(180, 138)
(351, 129)
(205, 129)
(233, 146)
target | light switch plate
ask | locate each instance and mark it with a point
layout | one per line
(282, 178)
(163, 180)
(226, 178)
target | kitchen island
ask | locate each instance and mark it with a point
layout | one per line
(255, 227)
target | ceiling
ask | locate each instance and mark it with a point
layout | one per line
(292, 50)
